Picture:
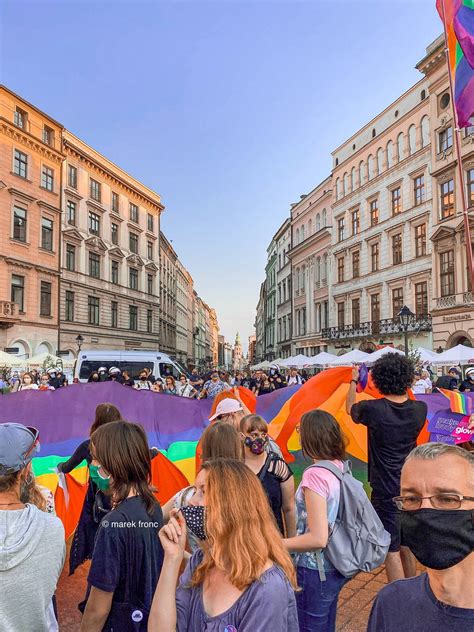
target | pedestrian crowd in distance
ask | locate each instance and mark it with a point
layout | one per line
(242, 549)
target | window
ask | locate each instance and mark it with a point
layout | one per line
(375, 308)
(18, 291)
(133, 278)
(45, 299)
(94, 265)
(149, 283)
(114, 202)
(355, 221)
(355, 264)
(340, 270)
(447, 199)
(421, 299)
(94, 190)
(47, 178)
(397, 301)
(69, 315)
(340, 229)
(446, 267)
(133, 317)
(133, 242)
(114, 272)
(20, 118)
(94, 223)
(374, 257)
(340, 315)
(420, 240)
(150, 222)
(149, 249)
(356, 312)
(149, 321)
(72, 176)
(397, 249)
(114, 314)
(445, 139)
(70, 257)
(48, 135)
(470, 187)
(19, 224)
(20, 164)
(114, 230)
(71, 212)
(374, 212)
(133, 213)
(47, 234)
(419, 189)
(93, 309)
(396, 201)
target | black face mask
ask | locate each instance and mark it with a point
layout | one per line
(439, 539)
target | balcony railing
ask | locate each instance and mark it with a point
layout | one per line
(377, 328)
(8, 314)
(455, 300)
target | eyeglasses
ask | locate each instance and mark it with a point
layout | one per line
(438, 501)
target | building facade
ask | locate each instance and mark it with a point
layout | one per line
(238, 355)
(168, 289)
(199, 332)
(311, 225)
(260, 325)
(382, 209)
(270, 302)
(30, 211)
(452, 304)
(110, 254)
(184, 315)
(251, 355)
(282, 240)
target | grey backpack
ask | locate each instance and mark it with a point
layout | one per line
(357, 541)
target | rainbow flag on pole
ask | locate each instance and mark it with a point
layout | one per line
(458, 19)
(458, 402)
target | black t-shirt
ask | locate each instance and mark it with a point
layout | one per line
(446, 381)
(467, 386)
(392, 433)
(274, 472)
(409, 605)
(80, 453)
(127, 561)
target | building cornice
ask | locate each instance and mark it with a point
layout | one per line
(29, 141)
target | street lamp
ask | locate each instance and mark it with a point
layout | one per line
(405, 315)
(79, 341)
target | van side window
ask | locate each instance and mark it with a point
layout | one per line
(168, 369)
(134, 368)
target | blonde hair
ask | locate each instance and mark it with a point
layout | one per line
(252, 423)
(241, 536)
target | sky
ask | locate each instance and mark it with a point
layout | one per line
(229, 110)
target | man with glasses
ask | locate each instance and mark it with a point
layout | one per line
(437, 522)
(213, 387)
(32, 546)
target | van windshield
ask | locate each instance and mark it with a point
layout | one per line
(168, 369)
(133, 368)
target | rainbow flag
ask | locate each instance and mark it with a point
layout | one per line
(458, 402)
(458, 18)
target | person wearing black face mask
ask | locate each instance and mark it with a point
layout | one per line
(437, 524)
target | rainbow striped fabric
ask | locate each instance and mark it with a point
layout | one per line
(458, 17)
(459, 403)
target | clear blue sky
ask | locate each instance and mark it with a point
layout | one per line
(229, 110)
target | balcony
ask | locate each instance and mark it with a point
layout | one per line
(8, 314)
(454, 300)
(382, 327)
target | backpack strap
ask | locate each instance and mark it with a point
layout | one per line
(329, 465)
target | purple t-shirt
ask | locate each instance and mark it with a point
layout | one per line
(267, 604)
(409, 604)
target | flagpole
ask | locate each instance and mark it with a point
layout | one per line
(457, 131)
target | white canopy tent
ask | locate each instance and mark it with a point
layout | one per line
(461, 354)
(426, 355)
(373, 357)
(41, 358)
(356, 356)
(297, 362)
(6, 359)
(322, 359)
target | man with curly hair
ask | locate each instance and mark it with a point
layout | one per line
(393, 425)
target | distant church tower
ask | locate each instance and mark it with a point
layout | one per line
(238, 362)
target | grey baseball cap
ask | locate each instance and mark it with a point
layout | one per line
(18, 445)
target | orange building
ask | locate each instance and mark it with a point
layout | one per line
(30, 214)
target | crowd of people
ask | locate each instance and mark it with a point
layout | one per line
(243, 548)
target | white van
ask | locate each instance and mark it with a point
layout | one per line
(131, 361)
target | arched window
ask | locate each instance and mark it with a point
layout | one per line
(389, 154)
(411, 140)
(361, 173)
(400, 148)
(338, 188)
(353, 179)
(318, 222)
(302, 274)
(325, 218)
(370, 167)
(310, 227)
(324, 271)
(297, 237)
(345, 180)
(379, 160)
(425, 131)
(317, 270)
(302, 233)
